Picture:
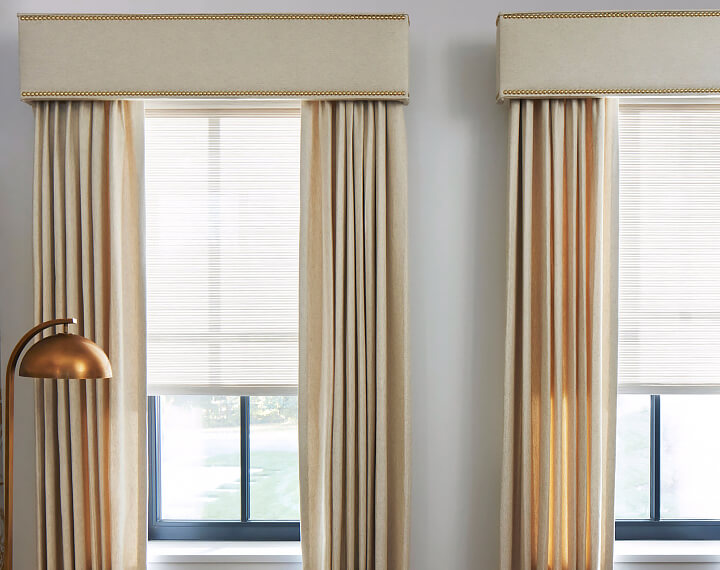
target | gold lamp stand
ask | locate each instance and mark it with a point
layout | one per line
(60, 356)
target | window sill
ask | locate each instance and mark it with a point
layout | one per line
(199, 552)
(675, 551)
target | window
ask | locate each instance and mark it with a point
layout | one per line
(222, 243)
(668, 451)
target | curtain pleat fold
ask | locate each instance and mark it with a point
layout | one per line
(561, 336)
(354, 400)
(91, 450)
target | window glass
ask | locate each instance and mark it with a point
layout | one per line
(690, 451)
(632, 482)
(274, 487)
(200, 457)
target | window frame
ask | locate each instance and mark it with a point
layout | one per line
(656, 528)
(245, 529)
(233, 530)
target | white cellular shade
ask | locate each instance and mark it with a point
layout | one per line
(669, 248)
(222, 223)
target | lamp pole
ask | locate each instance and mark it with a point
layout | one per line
(9, 435)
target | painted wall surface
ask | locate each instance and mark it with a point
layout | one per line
(457, 148)
(666, 566)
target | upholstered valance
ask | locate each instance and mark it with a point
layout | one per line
(327, 56)
(607, 53)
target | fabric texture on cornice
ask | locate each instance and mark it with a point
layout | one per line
(80, 56)
(607, 54)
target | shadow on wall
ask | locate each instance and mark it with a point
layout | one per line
(16, 313)
(457, 308)
(473, 69)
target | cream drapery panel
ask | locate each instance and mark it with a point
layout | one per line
(353, 385)
(91, 451)
(561, 343)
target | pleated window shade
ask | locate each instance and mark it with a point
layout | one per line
(222, 223)
(669, 248)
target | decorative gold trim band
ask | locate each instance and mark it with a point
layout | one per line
(90, 94)
(576, 92)
(134, 17)
(619, 14)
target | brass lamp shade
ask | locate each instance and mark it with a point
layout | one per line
(65, 356)
(62, 355)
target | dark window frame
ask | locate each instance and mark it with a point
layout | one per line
(656, 528)
(245, 529)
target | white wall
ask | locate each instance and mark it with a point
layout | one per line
(457, 259)
(658, 566)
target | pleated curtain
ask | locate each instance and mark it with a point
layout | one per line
(88, 263)
(353, 384)
(561, 339)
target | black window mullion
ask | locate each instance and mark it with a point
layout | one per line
(245, 457)
(655, 457)
(154, 459)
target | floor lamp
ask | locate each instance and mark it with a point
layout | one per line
(61, 356)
